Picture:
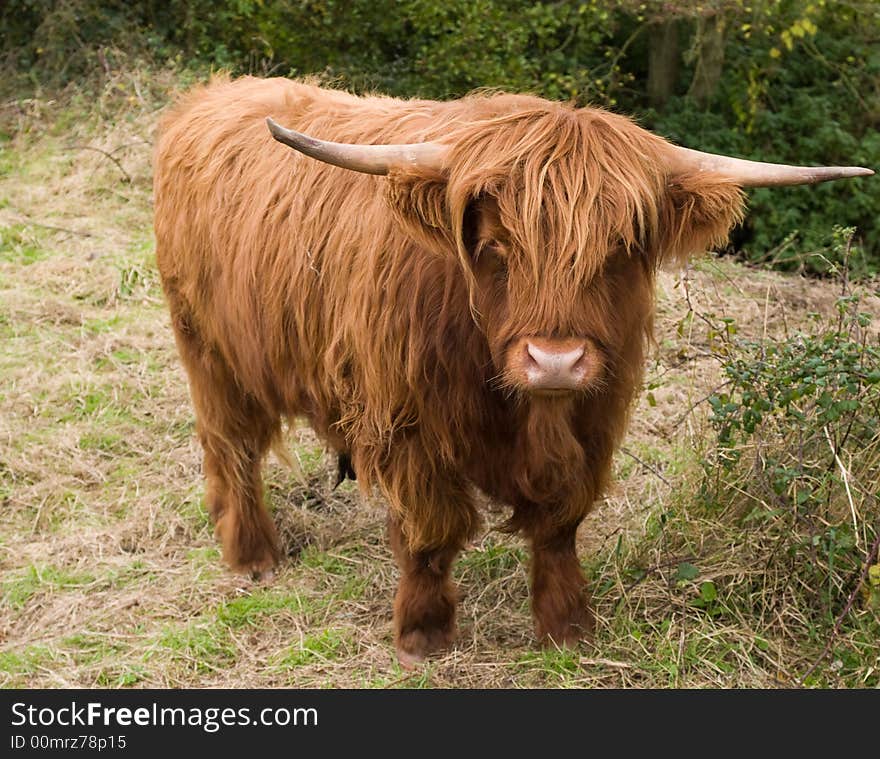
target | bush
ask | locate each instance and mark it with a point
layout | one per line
(796, 468)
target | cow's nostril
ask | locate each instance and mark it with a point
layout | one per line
(533, 356)
(576, 357)
(554, 365)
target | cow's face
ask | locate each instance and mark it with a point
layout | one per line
(565, 311)
(564, 292)
(559, 329)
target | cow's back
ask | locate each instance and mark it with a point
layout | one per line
(251, 245)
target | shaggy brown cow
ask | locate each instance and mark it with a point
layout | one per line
(463, 303)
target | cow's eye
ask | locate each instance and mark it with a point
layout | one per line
(491, 261)
(495, 253)
(497, 249)
(500, 269)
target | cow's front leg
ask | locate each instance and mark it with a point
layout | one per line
(560, 598)
(432, 517)
(424, 607)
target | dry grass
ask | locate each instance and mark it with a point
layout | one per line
(110, 576)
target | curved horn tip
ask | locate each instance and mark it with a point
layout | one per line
(830, 173)
(368, 159)
(275, 129)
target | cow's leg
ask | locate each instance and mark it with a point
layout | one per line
(235, 432)
(424, 607)
(233, 495)
(560, 597)
(440, 518)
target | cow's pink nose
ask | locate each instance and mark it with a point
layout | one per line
(553, 368)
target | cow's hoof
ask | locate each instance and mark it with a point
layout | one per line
(264, 576)
(253, 552)
(414, 646)
(569, 633)
(258, 565)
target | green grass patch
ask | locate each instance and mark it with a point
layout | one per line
(332, 563)
(15, 666)
(203, 646)
(16, 592)
(87, 649)
(205, 555)
(325, 646)
(551, 663)
(102, 325)
(120, 676)
(104, 442)
(111, 405)
(491, 561)
(339, 573)
(207, 641)
(246, 610)
(20, 245)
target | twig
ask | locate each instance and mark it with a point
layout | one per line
(126, 176)
(690, 408)
(29, 223)
(607, 663)
(852, 506)
(712, 263)
(764, 327)
(620, 53)
(781, 302)
(125, 145)
(648, 571)
(869, 561)
(844, 279)
(646, 465)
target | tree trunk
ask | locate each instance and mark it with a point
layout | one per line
(663, 59)
(709, 58)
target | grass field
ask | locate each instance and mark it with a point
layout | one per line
(109, 573)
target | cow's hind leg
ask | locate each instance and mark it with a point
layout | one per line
(235, 432)
(233, 495)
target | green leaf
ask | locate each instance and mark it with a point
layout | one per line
(686, 571)
(708, 591)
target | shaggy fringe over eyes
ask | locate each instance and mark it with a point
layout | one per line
(572, 186)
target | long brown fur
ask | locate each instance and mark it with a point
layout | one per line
(385, 310)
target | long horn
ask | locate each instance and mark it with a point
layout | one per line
(369, 159)
(756, 174)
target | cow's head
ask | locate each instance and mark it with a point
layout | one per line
(560, 217)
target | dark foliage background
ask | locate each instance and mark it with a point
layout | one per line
(777, 80)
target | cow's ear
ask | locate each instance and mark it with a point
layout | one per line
(419, 205)
(696, 215)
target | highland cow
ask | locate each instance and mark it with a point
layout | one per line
(456, 295)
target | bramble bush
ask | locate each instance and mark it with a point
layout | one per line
(797, 461)
(771, 554)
